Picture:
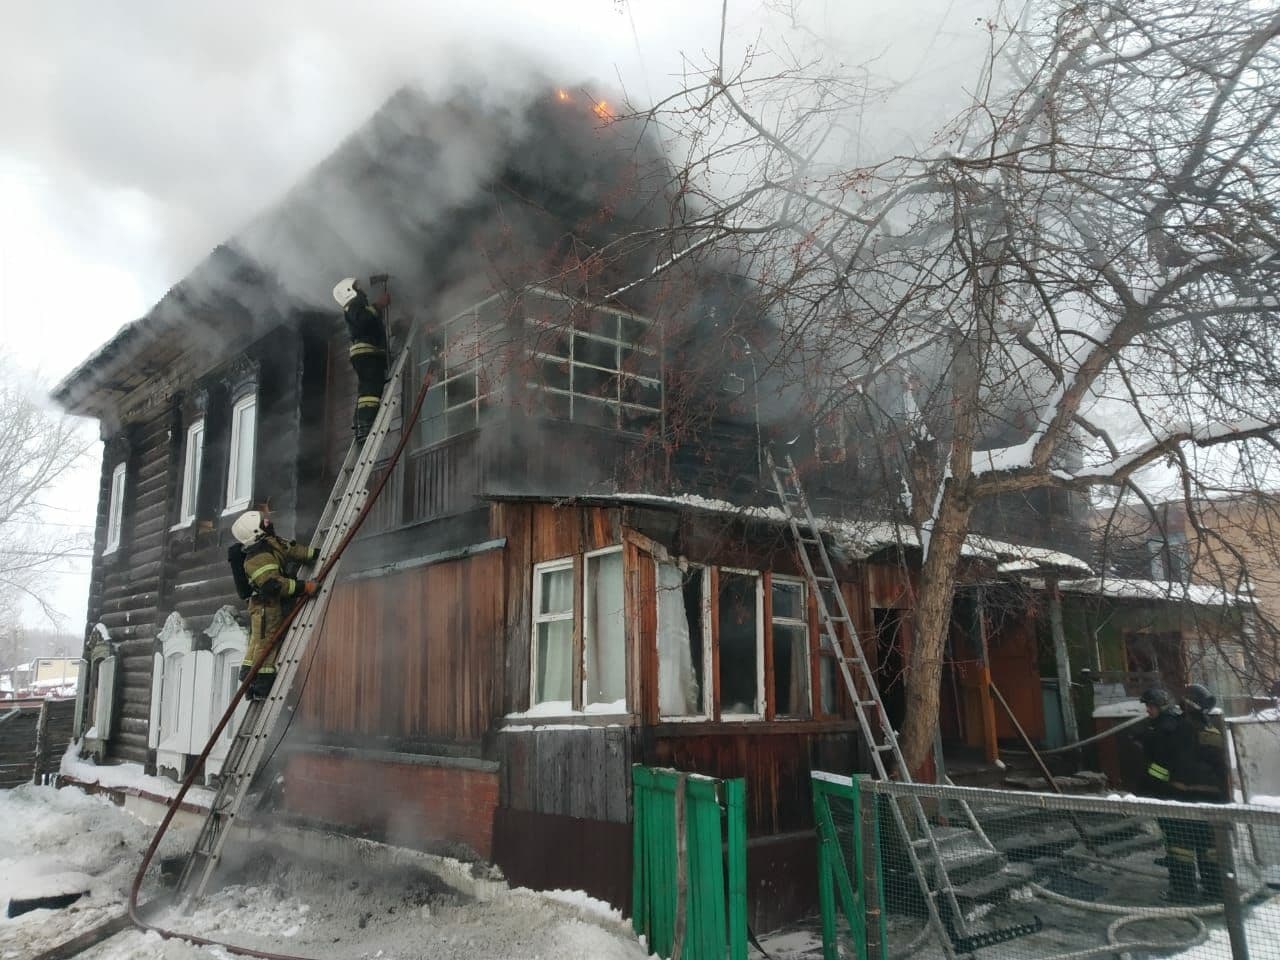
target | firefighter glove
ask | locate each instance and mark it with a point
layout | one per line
(311, 587)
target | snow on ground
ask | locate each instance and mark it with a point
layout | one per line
(304, 909)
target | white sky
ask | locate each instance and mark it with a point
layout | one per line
(139, 135)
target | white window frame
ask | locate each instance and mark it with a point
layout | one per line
(760, 635)
(192, 465)
(802, 622)
(707, 692)
(115, 508)
(550, 566)
(242, 501)
(587, 620)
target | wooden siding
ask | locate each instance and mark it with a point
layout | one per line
(416, 656)
(584, 773)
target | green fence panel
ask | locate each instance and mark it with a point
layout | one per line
(843, 863)
(714, 907)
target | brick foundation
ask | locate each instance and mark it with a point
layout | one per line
(411, 804)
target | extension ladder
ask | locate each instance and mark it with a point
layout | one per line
(248, 750)
(873, 720)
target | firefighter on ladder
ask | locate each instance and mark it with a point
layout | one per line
(368, 351)
(266, 561)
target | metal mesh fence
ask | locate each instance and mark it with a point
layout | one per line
(1042, 876)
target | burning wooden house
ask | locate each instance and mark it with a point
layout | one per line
(574, 568)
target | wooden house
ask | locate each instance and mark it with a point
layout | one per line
(574, 567)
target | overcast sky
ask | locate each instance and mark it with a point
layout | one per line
(138, 135)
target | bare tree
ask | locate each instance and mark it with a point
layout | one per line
(1075, 280)
(38, 446)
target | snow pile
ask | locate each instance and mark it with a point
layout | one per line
(63, 841)
(1201, 594)
(128, 777)
(356, 911)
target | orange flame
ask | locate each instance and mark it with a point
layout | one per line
(601, 109)
(562, 96)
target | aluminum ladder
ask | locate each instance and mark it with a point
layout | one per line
(873, 720)
(249, 746)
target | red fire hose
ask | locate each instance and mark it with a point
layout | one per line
(274, 642)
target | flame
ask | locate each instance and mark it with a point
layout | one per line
(562, 96)
(601, 109)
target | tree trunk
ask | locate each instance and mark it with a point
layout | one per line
(932, 620)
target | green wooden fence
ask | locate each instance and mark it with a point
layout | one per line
(850, 881)
(689, 875)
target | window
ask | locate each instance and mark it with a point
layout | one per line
(460, 393)
(739, 637)
(594, 366)
(682, 619)
(604, 675)
(115, 509)
(828, 667)
(553, 633)
(790, 648)
(240, 468)
(1155, 549)
(192, 461)
(1179, 559)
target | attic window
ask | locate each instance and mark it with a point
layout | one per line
(595, 366)
(115, 509)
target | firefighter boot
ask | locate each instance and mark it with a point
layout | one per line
(1182, 882)
(1210, 876)
(262, 683)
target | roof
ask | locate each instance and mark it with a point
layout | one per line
(862, 538)
(1199, 594)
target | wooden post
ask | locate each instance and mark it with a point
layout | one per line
(1062, 661)
(42, 744)
(991, 751)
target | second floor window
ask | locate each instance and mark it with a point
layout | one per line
(115, 509)
(244, 428)
(192, 460)
(459, 396)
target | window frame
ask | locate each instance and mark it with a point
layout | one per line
(115, 508)
(235, 504)
(580, 633)
(192, 467)
(805, 621)
(484, 329)
(706, 705)
(537, 618)
(761, 702)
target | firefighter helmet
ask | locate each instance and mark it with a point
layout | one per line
(346, 291)
(1156, 697)
(1200, 699)
(250, 527)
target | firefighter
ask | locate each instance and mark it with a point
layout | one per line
(368, 352)
(1202, 778)
(267, 559)
(1164, 751)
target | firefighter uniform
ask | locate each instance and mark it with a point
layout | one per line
(1202, 778)
(266, 567)
(368, 354)
(1164, 750)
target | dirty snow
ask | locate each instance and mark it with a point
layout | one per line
(304, 909)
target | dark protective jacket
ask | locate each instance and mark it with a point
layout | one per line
(1163, 739)
(266, 567)
(364, 326)
(1202, 775)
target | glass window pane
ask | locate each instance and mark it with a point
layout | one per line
(788, 600)
(827, 677)
(555, 661)
(680, 646)
(604, 640)
(597, 352)
(557, 591)
(790, 670)
(739, 645)
(243, 434)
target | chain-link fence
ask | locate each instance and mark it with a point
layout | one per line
(1042, 876)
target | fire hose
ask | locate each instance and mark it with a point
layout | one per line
(269, 648)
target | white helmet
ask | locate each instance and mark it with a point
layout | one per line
(345, 291)
(250, 527)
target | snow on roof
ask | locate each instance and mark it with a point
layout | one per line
(1131, 707)
(864, 537)
(1200, 594)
